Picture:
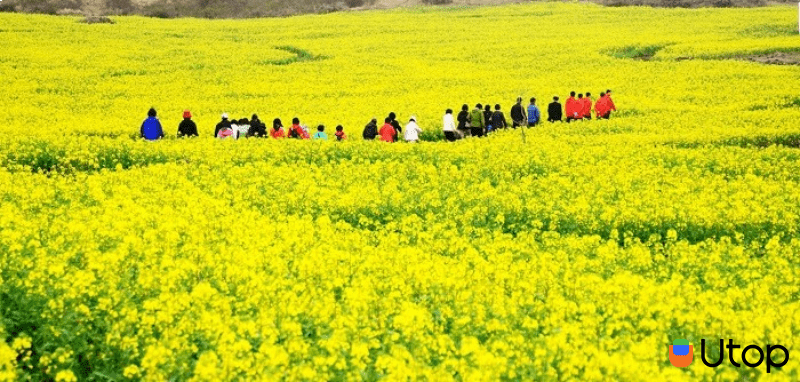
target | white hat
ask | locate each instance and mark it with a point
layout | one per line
(224, 115)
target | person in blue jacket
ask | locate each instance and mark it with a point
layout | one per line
(151, 127)
(533, 113)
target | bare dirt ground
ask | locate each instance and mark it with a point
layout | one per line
(777, 58)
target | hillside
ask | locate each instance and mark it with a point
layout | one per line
(259, 8)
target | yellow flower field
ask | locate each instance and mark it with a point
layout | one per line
(562, 253)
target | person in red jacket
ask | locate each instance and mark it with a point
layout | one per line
(277, 129)
(601, 107)
(587, 106)
(572, 107)
(296, 131)
(387, 132)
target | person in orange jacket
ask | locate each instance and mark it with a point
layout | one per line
(601, 107)
(387, 132)
(587, 106)
(296, 131)
(277, 131)
(572, 107)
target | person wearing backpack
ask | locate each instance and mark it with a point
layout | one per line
(277, 131)
(499, 119)
(487, 116)
(518, 116)
(187, 127)
(242, 128)
(297, 131)
(533, 113)
(224, 124)
(151, 127)
(371, 130)
(463, 121)
(477, 121)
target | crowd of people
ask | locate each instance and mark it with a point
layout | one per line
(477, 122)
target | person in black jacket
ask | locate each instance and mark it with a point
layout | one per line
(371, 130)
(498, 119)
(224, 124)
(487, 116)
(397, 128)
(463, 119)
(257, 128)
(554, 111)
(518, 116)
(187, 127)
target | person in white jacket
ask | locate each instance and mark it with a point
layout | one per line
(412, 130)
(450, 132)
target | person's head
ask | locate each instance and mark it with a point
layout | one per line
(295, 121)
(519, 99)
(533, 101)
(254, 117)
(244, 121)
(580, 95)
(555, 98)
(321, 128)
(608, 92)
(277, 124)
(224, 116)
(392, 116)
(387, 120)
(588, 94)
(497, 107)
(479, 106)
(151, 113)
(572, 94)
(413, 118)
(187, 114)
(339, 128)
(448, 111)
(602, 94)
(374, 121)
(488, 107)
(465, 107)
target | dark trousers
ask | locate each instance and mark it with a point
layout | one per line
(554, 120)
(587, 117)
(450, 136)
(606, 115)
(477, 131)
(532, 124)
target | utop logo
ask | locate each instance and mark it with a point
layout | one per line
(681, 353)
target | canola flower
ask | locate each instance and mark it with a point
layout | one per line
(576, 255)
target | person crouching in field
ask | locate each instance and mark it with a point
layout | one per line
(463, 121)
(222, 125)
(297, 131)
(151, 127)
(533, 113)
(277, 131)
(370, 130)
(387, 132)
(320, 134)
(187, 127)
(340, 135)
(554, 110)
(498, 118)
(257, 128)
(518, 116)
(587, 106)
(449, 126)
(242, 128)
(477, 121)
(412, 130)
